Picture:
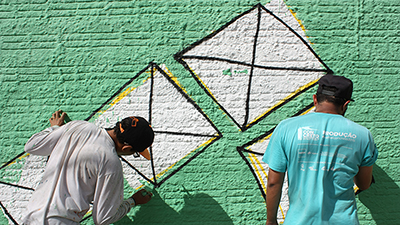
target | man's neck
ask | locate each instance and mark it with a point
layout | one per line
(327, 111)
(113, 136)
(328, 108)
(117, 144)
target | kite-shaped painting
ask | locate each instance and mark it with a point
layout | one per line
(182, 129)
(254, 64)
(252, 67)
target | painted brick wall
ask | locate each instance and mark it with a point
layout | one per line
(358, 39)
(74, 55)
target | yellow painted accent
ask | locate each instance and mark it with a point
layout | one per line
(175, 79)
(300, 23)
(283, 100)
(257, 164)
(308, 110)
(125, 93)
(205, 143)
(262, 140)
(201, 81)
(19, 158)
(298, 20)
(122, 95)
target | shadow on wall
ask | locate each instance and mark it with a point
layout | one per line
(384, 205)
(201, 208)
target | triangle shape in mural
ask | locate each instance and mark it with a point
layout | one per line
(252, 153)
(182, 130)
(21, 185)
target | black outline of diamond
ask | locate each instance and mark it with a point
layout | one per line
(153, 66)
(242, 149)
(180, 58)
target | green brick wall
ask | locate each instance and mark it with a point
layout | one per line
(360, 39)
(74, 54)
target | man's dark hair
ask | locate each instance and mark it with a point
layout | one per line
(134, 131)
(332, 99)
(118, 131)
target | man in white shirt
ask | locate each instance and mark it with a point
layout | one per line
(84, 168)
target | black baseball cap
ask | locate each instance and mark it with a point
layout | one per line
(137, 132)
(338, 86)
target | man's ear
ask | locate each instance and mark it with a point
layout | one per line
(315, 100)
(126, 148)
(344, 107)
(346, 103)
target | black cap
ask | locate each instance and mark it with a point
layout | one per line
(137, 132)
(337, 86)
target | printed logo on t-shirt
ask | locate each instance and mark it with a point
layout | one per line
(339, 135)
(307, 133)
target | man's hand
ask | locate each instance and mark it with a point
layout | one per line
(57, 119)
(142, 197)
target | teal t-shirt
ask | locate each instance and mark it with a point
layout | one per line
(321, 153)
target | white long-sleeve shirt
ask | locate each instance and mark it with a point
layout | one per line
(83, 168)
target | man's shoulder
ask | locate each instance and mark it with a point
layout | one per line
(297, 119)
(94, 135)
(81, 125)
(79, 122)
(355, 126)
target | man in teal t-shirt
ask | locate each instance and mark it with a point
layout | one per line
(324, 154)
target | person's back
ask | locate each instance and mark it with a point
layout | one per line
(324, 155)
(81, 160)
(324, 152)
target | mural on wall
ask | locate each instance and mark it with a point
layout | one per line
(174, 145)
(265, 62)
(252, 67)
(148, 94)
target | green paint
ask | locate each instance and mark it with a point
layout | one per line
(67, 119)
(12, 173)
(75, 55)
(135, 84)
(3, 219)
(227, 72)
(356, 39)
(241, 71)
(65, 59)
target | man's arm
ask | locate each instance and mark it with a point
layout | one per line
(274, 192)
(363, 179)
(109, 205)
(42, 143)
(139, 198)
